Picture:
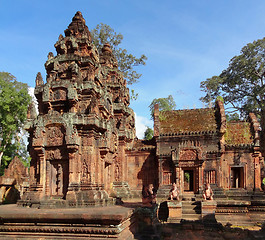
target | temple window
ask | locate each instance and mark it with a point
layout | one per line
(210, 177)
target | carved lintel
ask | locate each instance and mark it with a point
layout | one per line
(72, 147)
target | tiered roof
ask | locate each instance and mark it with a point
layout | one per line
(187, 121)
(238, 133)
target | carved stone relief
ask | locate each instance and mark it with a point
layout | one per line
(54, 135)
(189, 154)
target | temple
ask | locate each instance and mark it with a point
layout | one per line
(198, 146)
(83, 145)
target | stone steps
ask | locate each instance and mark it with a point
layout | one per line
(191, 209)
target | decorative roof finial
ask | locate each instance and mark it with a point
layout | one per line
(39, 80)
(78, 27)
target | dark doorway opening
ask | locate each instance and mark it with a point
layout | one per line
(237, 177)
(188, 180)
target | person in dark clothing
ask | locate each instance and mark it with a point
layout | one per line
(148, 195)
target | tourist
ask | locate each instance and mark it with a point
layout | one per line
(149, 195)
(174, 192)
(208, 192)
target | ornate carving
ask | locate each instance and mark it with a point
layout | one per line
(86, 175)
(53, 154)
(59, 94)
(189, 154)
(39, 80)
(77, 114)
(54, 135)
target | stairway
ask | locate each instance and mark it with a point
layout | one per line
(191, 209)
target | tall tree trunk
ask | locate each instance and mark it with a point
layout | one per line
(1, 155)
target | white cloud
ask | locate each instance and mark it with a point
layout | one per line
(34, 99)
(141, 124)
(31, 93)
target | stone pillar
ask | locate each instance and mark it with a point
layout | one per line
(257, 171)
(160, 171)
(201, 178)
(178, 179)
(121, 159)
(42, 169)
(73, 162)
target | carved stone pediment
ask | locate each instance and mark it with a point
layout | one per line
(188, 154)
(58, 94)
(54, 135)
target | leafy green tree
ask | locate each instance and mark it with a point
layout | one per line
(232, 117)
(14, 101)
(127, 62)
(242, 84)
(148, 134)
(165, 104)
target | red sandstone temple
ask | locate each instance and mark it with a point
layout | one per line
(83, 145)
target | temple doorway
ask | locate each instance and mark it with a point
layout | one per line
(237, 177)
(189, 180)
(58, 178)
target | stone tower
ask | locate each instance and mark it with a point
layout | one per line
(78, 140)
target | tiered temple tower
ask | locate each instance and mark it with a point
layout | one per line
(77, 142)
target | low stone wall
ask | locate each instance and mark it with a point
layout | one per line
(232, 206)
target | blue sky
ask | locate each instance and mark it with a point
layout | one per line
(185, 41)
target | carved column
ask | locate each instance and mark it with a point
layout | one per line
(257, 176)
(73, 162)
(160, 171)
(178, 178)
(42, 169)
(122, 160)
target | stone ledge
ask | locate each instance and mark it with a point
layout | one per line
(113, 222)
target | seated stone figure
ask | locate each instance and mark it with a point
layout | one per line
(207, 192)
(148, 195)
(174, 192)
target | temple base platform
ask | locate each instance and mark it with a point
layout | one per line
(110, 222)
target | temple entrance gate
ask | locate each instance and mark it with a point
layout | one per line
(189, 180)
(237, 177)
(188, 169)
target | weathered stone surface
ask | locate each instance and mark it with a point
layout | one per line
(198, 146)
(175, 210)
(83, 145)
(109, 222)
(14, 182)
(78, 141)
(208, 207)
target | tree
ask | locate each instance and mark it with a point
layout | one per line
(14, 101)
(232, 117)
(148, 134)
(165, 104)
(102, 34)
(242, 84)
